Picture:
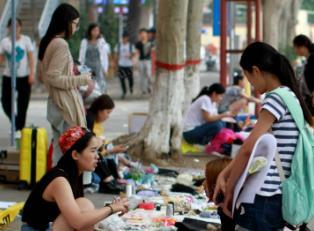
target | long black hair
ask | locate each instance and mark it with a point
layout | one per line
(214, 88)
(102, 102)
(91, 27)
(268, 59)
(302, 40)
(68, 164)
(61, 21)
(18, 20)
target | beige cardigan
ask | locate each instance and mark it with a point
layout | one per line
(61, 83)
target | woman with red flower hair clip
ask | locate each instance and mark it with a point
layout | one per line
(57, 201)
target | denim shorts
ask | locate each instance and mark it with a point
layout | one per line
(26, 227)
(264, 215)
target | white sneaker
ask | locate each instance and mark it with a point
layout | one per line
(18, 134)
(89, 190)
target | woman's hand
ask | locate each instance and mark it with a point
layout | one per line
(119, 148)
(220, 188)
(120, 205)
(229, 114)
(227, 204)
(88, 76)
(31, 79)
(223, 197)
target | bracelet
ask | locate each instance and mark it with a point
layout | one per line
(111, 209)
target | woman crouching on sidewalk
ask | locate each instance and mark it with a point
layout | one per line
(57, 201)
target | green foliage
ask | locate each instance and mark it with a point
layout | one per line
(149, 2)
(75, 41)
(109, 23)
(288, 51)
(308, 4)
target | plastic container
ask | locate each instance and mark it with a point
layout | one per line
(146, 206)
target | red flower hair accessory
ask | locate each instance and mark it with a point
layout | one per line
(70, 137)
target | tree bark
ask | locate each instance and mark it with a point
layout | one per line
(288, 22)
(161, 134)
(134, 19)
(193, 46)
(92, 13)
(272, 11)
(293, 20)
(279, 20)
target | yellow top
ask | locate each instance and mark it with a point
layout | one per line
(247, 91)
(98, 129)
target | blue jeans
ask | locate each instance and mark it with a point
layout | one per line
(95, 178)
(264, 215)
(26, 227)
(203, 133)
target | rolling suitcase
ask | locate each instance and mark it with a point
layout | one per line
(33, 156)
(9, 165)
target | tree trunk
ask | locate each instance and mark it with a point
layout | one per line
(92, 13)
(293, 20)
(288, 22)
(279, 20)
(162, 131)
(146, 13)
(272, 11)
(283, 25)
(193, 46)
(134, 18)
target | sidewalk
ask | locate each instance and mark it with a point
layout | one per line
(116, 125)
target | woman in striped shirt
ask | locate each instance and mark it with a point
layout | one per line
(266, 69)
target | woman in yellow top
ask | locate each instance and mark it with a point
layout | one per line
(110, 182)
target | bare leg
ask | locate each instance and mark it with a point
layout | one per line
(61, 224)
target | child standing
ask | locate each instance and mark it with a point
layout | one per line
(266, 71)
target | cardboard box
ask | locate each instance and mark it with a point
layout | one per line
(137, 121)
(9, 165)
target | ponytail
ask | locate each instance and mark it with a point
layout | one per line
(216, 87)
(267, 59)
(287, 78)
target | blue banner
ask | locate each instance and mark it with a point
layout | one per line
(216, 18)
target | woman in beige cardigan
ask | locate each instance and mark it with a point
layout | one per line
(65, 106)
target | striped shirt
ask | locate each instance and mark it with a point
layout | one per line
(286, 133)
